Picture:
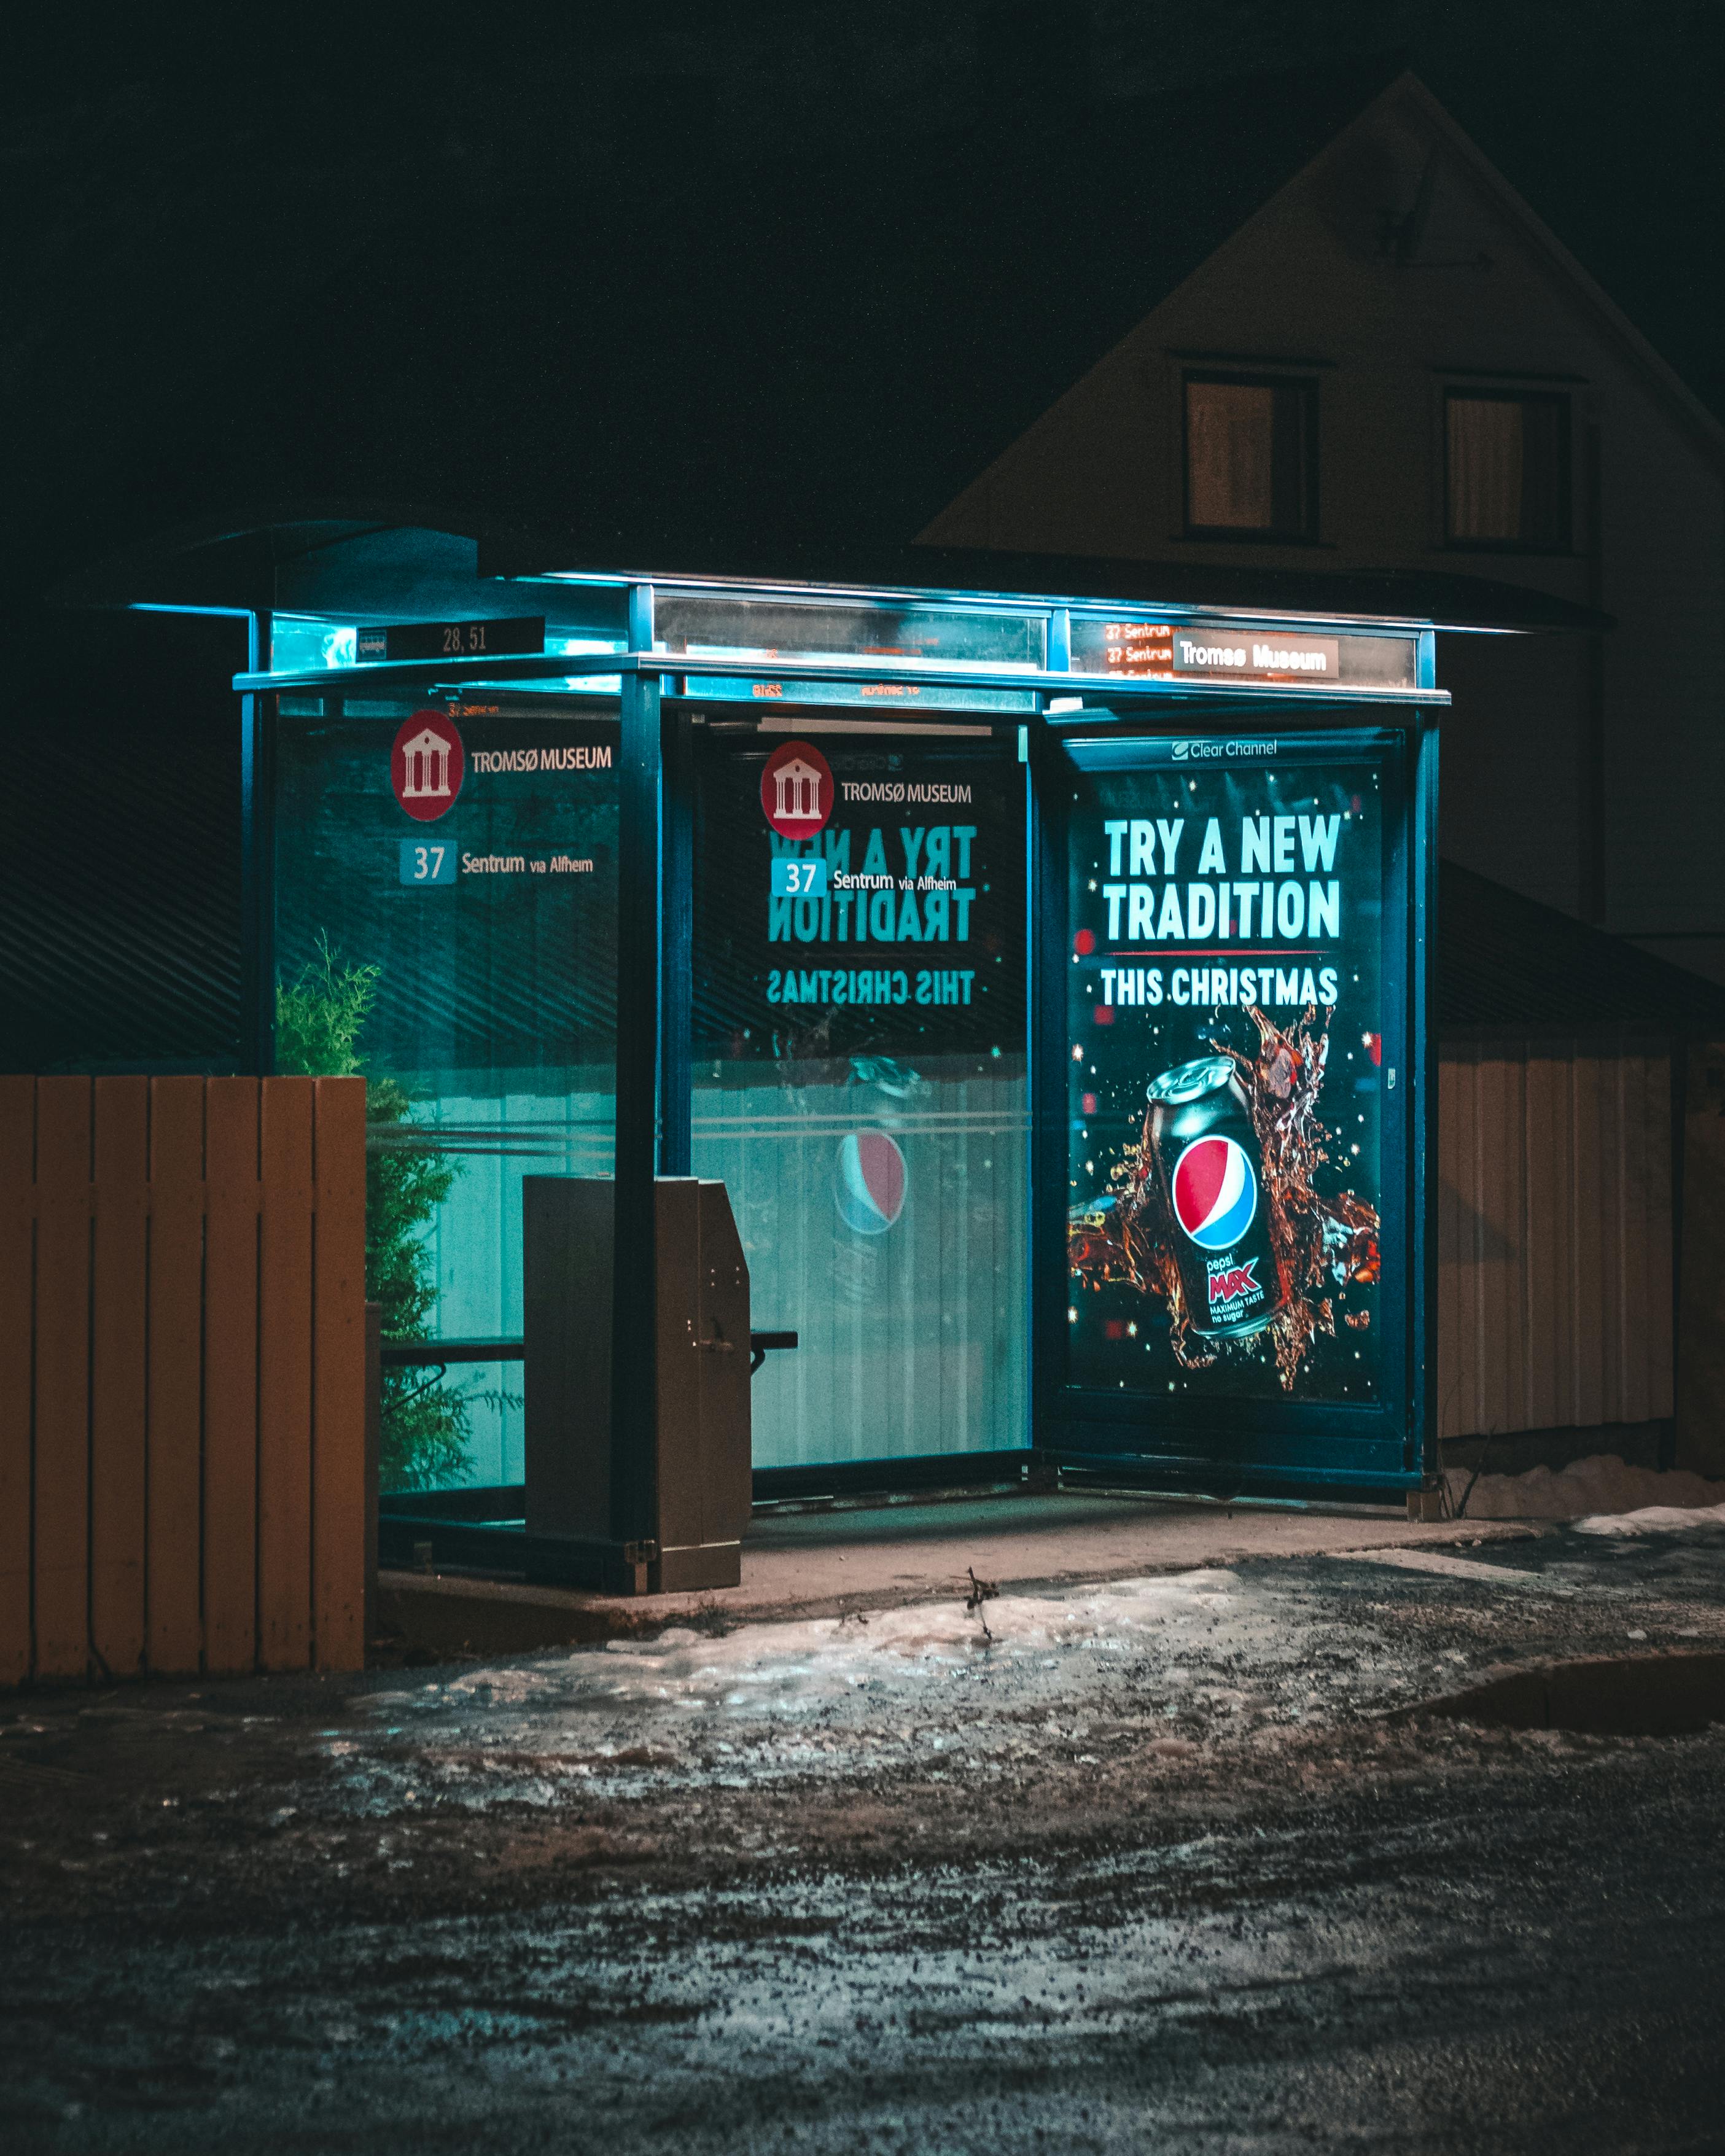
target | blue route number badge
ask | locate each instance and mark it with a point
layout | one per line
(427, 860)
(795, 878)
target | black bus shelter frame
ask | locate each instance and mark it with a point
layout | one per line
(656, 784)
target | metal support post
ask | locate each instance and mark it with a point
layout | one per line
(676, 942)
(1045, 934)
(639, 991)
(257, 831)
(1423, 1073)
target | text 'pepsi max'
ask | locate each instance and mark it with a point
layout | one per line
(1208, 1165)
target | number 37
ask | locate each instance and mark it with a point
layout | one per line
(426, 860)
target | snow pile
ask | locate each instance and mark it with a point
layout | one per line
(838, 1696)
(1654, 1520)
(791, 1665)
(1586, 1489)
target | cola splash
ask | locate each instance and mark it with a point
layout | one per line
(1323, 1245)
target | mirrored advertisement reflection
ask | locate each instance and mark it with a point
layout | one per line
(1227, 1071)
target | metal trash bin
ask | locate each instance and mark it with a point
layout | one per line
(700, 1437)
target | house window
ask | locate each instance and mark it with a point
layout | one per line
(1507, 470)
(1251, 457)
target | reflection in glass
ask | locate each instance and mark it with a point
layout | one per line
(764, 629)
(860, 1085)
(487, 934)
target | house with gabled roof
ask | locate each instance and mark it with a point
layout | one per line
(1393, 367)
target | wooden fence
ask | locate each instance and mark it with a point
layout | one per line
(1701, 1321)
(181, 1375)
(1554, 1240)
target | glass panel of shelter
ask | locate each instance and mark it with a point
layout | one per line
(697, 624)
(860, 1074)
(446, 916)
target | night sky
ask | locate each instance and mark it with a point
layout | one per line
(252, 258)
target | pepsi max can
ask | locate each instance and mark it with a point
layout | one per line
(1209, 1170)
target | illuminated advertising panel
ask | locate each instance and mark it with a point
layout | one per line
(1233, 1051)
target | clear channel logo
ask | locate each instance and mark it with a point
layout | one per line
(1212, 752)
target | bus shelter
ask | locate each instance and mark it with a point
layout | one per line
(1045, 977)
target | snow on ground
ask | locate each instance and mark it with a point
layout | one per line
(1654, 1520)
(786, 1670)
(1148, 1867)
(789, 1665)
(1085, 1668)
(1116, 1683)
(1586, 1489)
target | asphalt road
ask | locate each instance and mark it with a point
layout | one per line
(1180, 1863)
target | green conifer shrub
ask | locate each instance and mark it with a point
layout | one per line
(319, 1018)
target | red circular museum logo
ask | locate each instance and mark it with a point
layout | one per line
(427, 766)
(796, 790)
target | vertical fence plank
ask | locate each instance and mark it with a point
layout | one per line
(1451, 1417)
(1560, 1216)
(1465, 1127)
(1481, 1289)
(230, 1381)
(61, 1508)
(1634, 1268)
(1513, 1139)
(284, 1377)
(118, 1307)
(18, 1154)
(1545, 1256)
(1588, 1169)
(1607, 1090)
(1701, 1328)
(1499, 1244)
(173, 1530)
(338, 1376)
(1661, 1377)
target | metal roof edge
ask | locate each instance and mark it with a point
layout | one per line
(1418, 599)
(176, 564)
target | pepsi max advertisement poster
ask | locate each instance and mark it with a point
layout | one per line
(1227, 1074)
(859, 901)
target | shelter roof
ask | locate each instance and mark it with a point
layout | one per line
(411, 568)
(1509, 965)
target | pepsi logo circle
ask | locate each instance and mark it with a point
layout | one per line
(1215, 1193)
(869, 1181)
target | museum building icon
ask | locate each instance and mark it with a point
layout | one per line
(426, 759)
(797, 791)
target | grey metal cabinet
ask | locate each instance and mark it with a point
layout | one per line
(698, 1444)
